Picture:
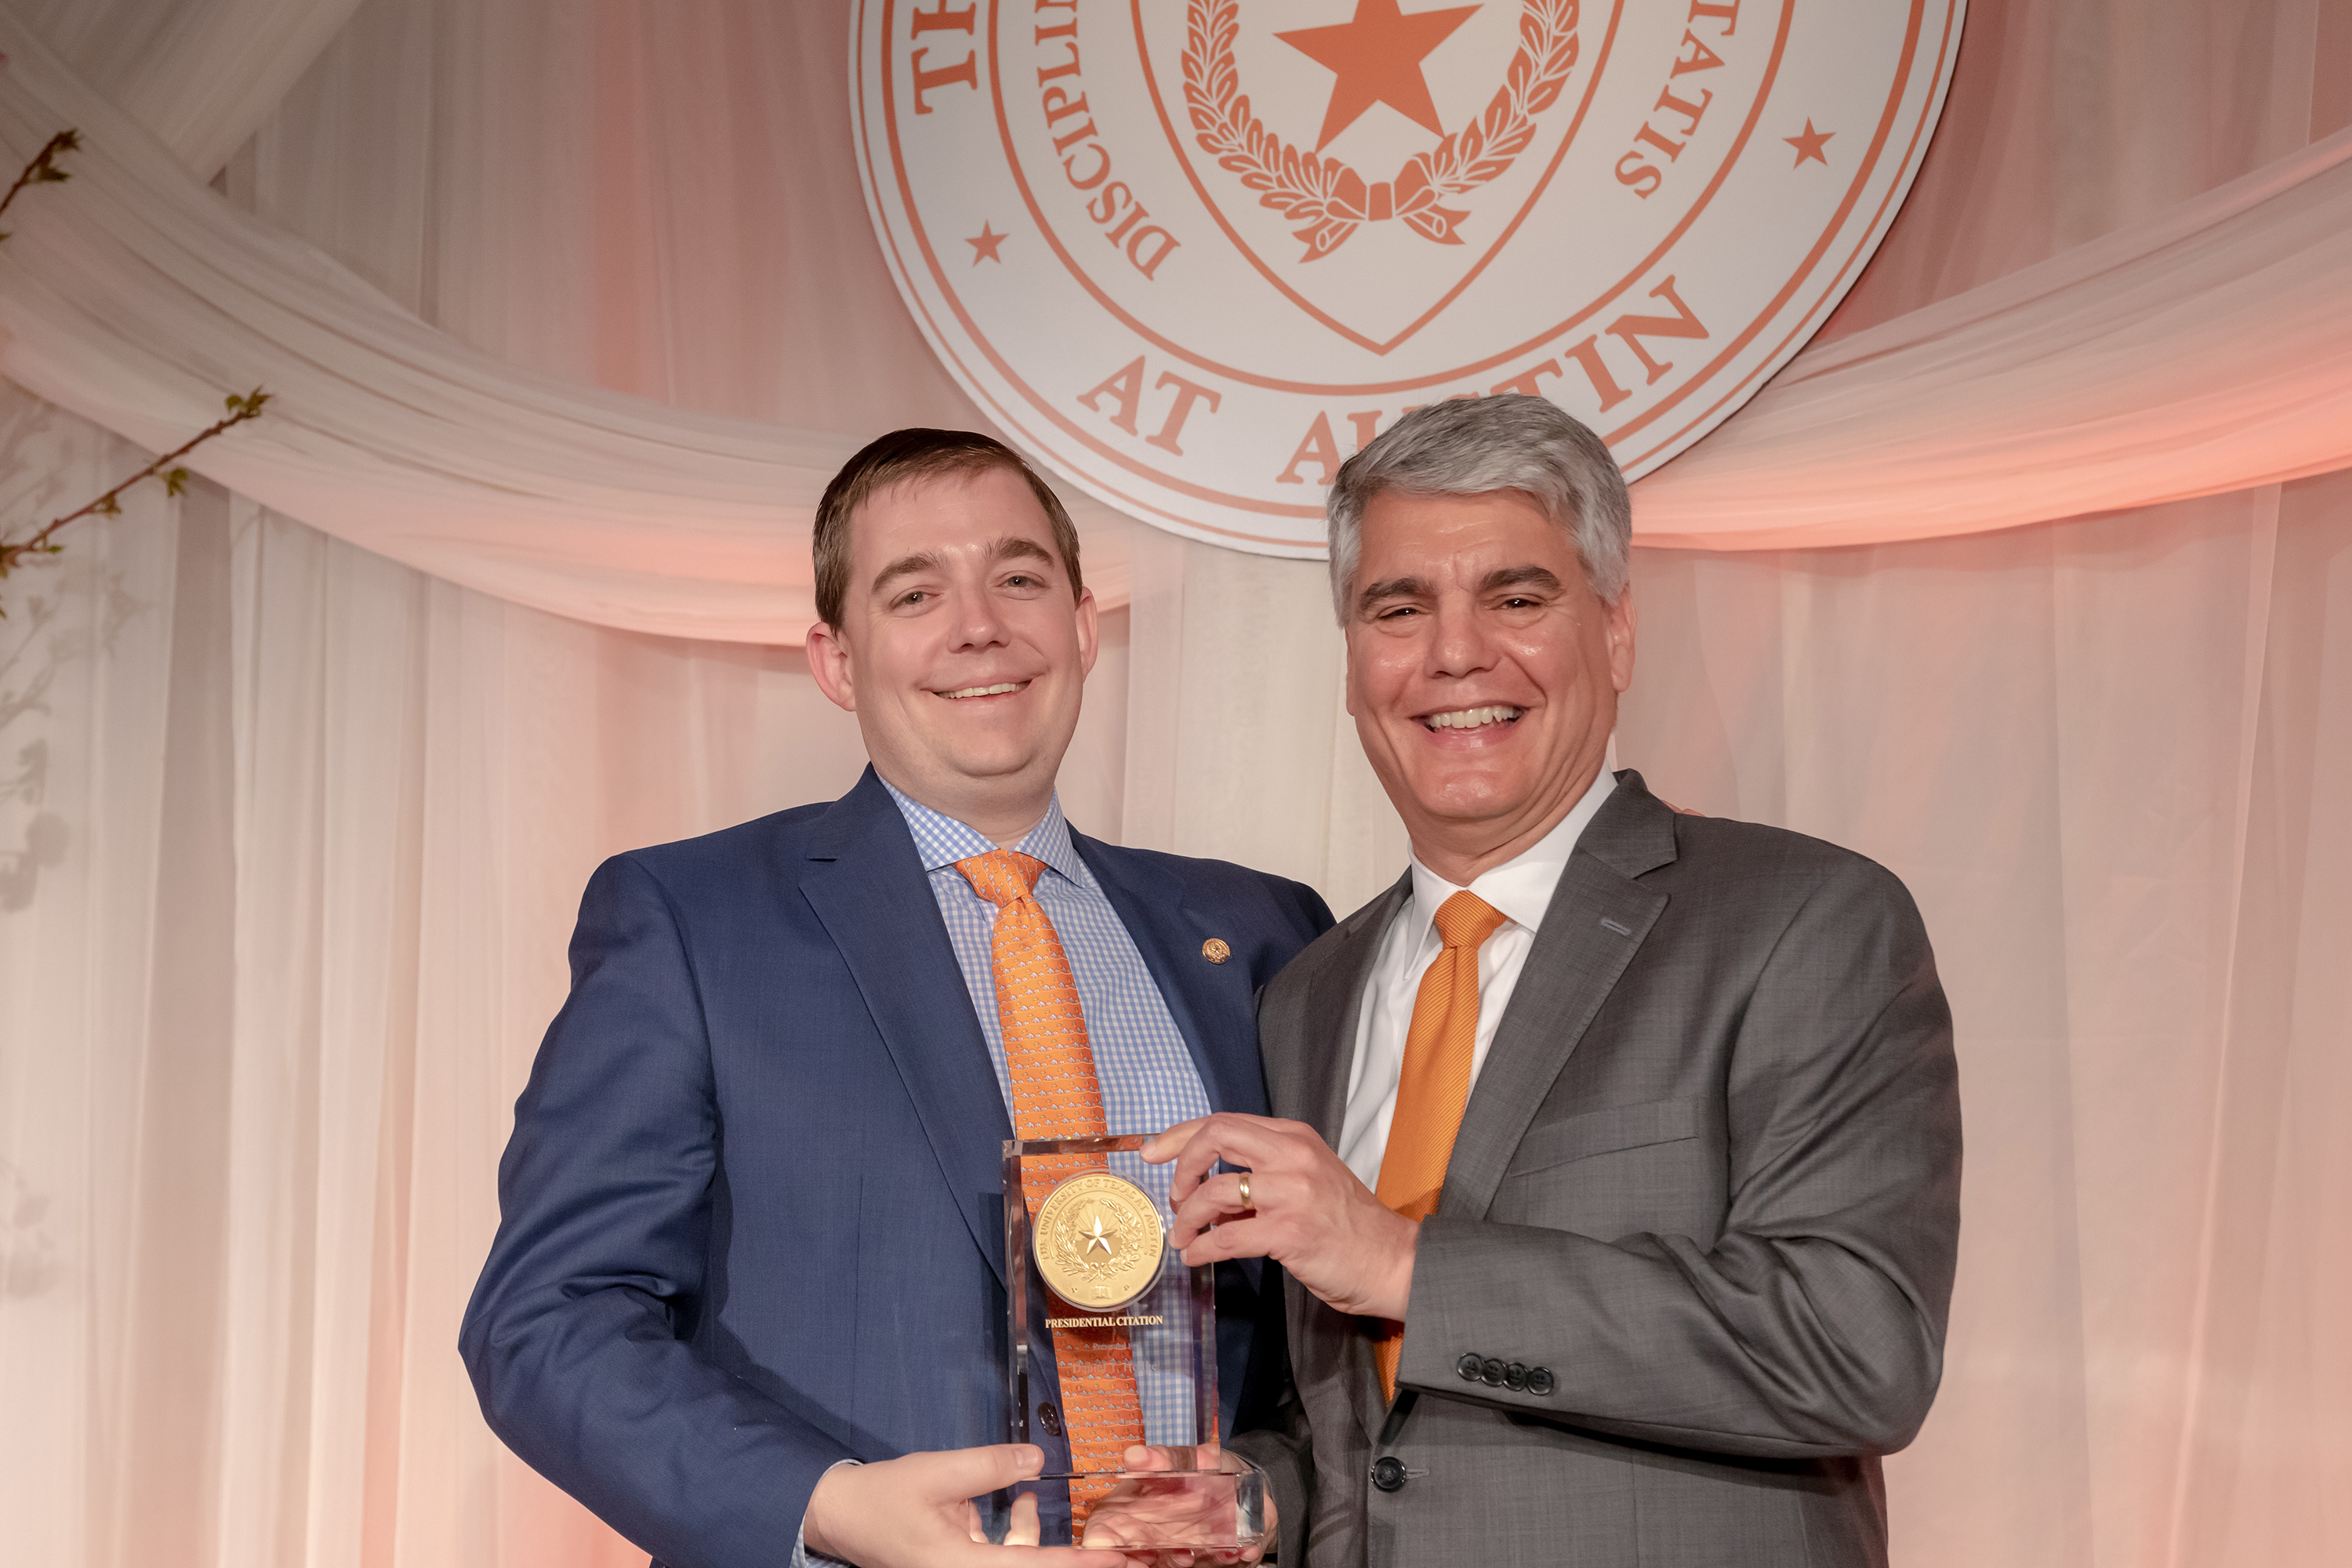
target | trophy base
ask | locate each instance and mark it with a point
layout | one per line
(1213, 1509)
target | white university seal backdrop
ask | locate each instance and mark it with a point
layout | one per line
(1196, 252)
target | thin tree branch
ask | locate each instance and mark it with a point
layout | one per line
(42, 170)
(175, 480)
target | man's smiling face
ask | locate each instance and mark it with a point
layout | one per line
(963, 652)
(1483, 671)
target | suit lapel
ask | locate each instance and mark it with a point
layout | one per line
(1210, 1002)
(1312, 1071)
(1318, 1067)
(1598, 919)
(865, 882)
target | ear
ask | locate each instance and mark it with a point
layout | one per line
(829, 664)
(1089, 633)
(1347, 668)
(1619, 627)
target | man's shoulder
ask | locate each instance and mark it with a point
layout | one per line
(747, 849)
(1725, 846)
(1757, 875)
(1333, 945)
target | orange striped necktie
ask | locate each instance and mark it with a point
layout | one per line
(1433, 1086)
(1056, 1095)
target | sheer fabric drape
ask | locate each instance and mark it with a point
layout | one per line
(202, 75)
(290, 835)
(2187, 352)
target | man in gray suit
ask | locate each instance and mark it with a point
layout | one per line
(1615, 1163)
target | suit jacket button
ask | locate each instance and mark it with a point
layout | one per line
(1515, 1376)
(1540, 1381)
(1050, 1418)
(1388, 1473)
(1490, 1371)
(1468, 1366)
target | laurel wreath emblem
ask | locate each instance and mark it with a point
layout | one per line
(1067, 1254)
(1070, 1254)
(1333, 200)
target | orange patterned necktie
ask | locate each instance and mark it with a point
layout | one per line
(1433, 1085)
(1056, 1095)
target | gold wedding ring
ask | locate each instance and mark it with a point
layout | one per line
(1245, 1203)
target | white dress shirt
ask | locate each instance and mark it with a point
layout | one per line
(1520, 890)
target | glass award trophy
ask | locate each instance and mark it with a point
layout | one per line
(1087, 1260)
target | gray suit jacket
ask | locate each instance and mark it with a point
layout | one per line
(1688, 1277)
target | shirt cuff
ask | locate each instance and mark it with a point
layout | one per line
(802, 1556)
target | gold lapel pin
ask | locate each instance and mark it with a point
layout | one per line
(1216, 950)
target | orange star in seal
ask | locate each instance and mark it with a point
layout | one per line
(1810, 145)
(1377, 56)
(984, 248)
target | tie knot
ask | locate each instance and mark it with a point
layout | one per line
(1465, 919)
(1002, 875)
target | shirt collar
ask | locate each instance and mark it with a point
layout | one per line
(941, 840)
(1520, 888)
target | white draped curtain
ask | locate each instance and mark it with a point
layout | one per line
(291, 831)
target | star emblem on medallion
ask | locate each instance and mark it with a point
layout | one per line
(1809, 145)
(984, 248)
(1377, 57)
(1099, 1237)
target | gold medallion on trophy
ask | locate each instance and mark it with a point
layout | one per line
(1099, 1241)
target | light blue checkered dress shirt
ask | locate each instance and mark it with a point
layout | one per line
(1148, 1082)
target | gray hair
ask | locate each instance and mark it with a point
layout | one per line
(1472, 445)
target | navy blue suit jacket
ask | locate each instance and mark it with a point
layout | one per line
(752, 1214)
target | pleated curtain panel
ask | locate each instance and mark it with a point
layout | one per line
(2194, 351)
(2031, 578)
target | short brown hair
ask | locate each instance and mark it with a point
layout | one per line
(904, 456)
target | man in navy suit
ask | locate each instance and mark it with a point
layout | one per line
(747, 1296)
